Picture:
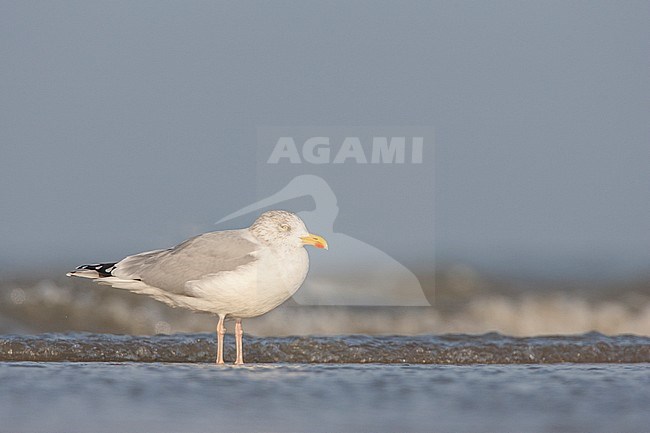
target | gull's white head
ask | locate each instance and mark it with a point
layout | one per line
(279, 227)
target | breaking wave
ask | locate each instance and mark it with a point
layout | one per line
(448, 349)
(70, 306)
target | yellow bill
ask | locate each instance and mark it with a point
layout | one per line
(314, 240)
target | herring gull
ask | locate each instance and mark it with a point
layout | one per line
(232, 273)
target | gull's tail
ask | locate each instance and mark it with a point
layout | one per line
(100, 270)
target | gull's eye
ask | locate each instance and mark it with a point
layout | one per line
(285, 227)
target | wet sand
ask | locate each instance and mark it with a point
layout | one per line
(135, 397)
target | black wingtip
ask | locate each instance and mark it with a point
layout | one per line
(103, 269)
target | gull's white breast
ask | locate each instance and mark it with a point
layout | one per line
(255, 288)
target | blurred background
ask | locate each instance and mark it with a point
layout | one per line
(126, 127)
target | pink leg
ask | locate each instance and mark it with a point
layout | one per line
(221, 331)
(239, 332)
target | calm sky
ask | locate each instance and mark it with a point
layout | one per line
(128, 126)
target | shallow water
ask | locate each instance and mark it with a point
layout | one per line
(125, 397)
(489, 348)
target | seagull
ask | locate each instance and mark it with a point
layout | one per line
(232, 273)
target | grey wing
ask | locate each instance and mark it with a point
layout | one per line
(193, 259)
